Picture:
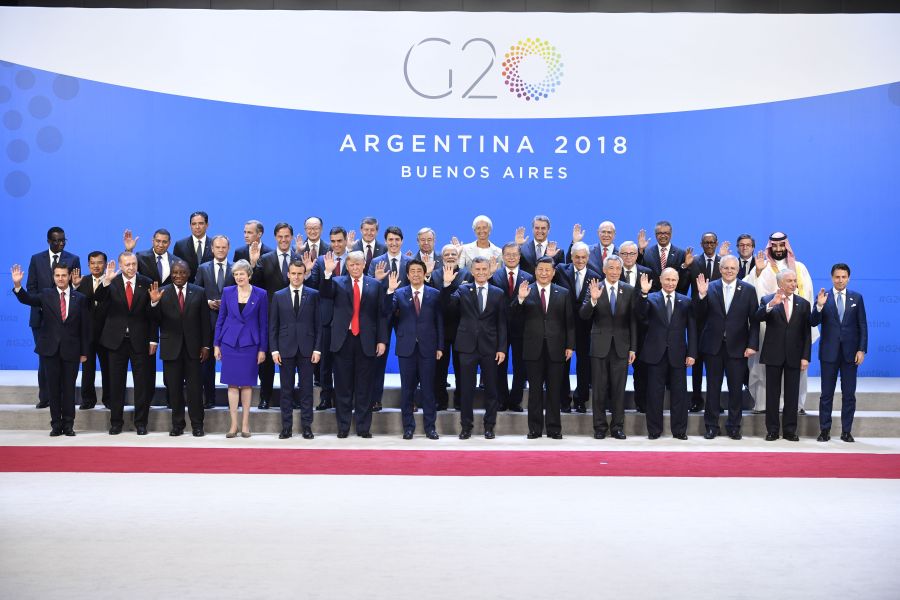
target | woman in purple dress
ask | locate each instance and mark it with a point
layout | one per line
(241, 341)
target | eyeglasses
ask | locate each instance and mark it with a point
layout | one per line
(628, 253)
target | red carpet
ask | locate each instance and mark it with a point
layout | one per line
(46, 459)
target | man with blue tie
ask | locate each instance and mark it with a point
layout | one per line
(508, 278)
(729, 335)
(843, 347)
(539, 246)
(415, 311)
(295, 341)
(358, 335)
(213, 277)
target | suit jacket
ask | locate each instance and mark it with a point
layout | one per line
(786, 343)
(435, 256)
(243, 253)
(317, 274)
(529, 256)
(186, 250)
(95, 307)
(697, 267)
(324, 247)
(616, 332)
(565, 276)
(556, 326)
(268, 275)
(851, 334)
(675, 259)
(483, 333)
(70, 338)
(147, 266)
(40, 276)
(206, 279)
(249, 328)
(637, 271)
(451, 317)
(739, 328)
(514, 323)
(425, 329)
(378, 248)
(138, 320)
(401, 268)
(595, 256)
(372, 324)
(665, 338)
(743, 272)
(190, 329)
(292, 334)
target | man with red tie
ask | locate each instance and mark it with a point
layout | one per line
(508, 278)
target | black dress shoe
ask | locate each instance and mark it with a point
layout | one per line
(532, 435)
(735, 435)
(176, 432)
(365, 435)
(465, 434)
(55, 432)
(307, 433)
(209, 405)
(141, 429)
(641, 410)
(580, 408)
(516, 408)
(502, 408)
(488, 434)
(791, 437)
(376, 406)
(263, 405)
(115, 430)
(69, 432)
(696, 407)
(441, 406)
(653, 436)
(679, 436)
(325, 405)
(565, 409)
(771, 437)
(342, 434)
(87, 404)
(710, 434)
(197, 432)
(286, 432)
(432, 434)
(846, 437)
(407, 435)
(599, 435)
(619, 434)
(42, 405)
(554, 436)
(824, 436)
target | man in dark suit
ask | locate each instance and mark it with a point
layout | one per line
(545, 310)
(40, 277)
(63, 337)
(599, 252)
(746, 247)
(194, 249)
(213, 276)
(508, 278)
(843, 347)
(539, 246)
(426, 253)
(611, 306)
(631, 274)
(575, 277)
(130, 336)
(253, 232)
(480, 338)
(415, 311)
(295, 341)
(664, 254)
(450, 259)
(669, 348)
(368, 244)
(271, 274)
(707, 264)
(87, 286)
(182, 313)
(785, 352)
(358, 335)
(729, 336)
(314, 243)
(392, 261)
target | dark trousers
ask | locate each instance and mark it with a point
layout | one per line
(184, 381)
(466, 382)
(266, 378)
(441, 396)
(541, 372)
(208, 371)
(791, 398)
(657, 375)
(377, 385)
(416, 370)
(60, 382)
(697, 380)
(43, 395)
(719, 366)
(582, 368)
(353, 385)
(96, 353)
(830, 372)
(326, 376)
(303, 367)
(609, 375)
(511, 396)
(118, 370)
(639, 375)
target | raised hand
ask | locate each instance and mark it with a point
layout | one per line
(702, 285)
(129, 241)
(458, 244)
(76, 277)
(111, 272)
(524, 290)
(17, 275)
(760, 261)
(552, 248)
(351, 238)
(595, 289)
(449, 275)
(642, 241)
(646, 284)
(254, 252)
(520, 236)
(493, 264)
(821, 299)
(577, 233)
(381, 270)
(299, 243)
(429, 264)
(688, 256)
(777, 299)
(725, 249)
(328, 259)
(155, 292)
(308, 262)
(409, 253)
(393, 281)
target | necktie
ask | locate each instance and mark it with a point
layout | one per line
(540, 250)
(480, 299)
(62, 305)
(199, 252)
(393, 265)
(284, 265)
(354, 322)
(337, 266)
(159, 266)
(368, 253)
(416, 303)
(129, 294)
(787, 309)
(663, 257)
(578, 283)
(709, 268)
(544, 300)
(744, 268)
(96, 283)
(314, 251)
(603, 258)
(669, 308)
(512, 284)
(612, 300)
(728, 297)
(181, 299)
(296, 302)
(840, 306)
(220, 278)
(55, 261)
(628, 277)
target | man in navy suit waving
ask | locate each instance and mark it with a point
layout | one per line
(415, 311)
(845, 341)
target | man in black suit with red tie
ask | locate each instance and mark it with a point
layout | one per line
(481, 340)
(40, 276)
(664, 254)
(214, 276)
(548, 342)
(728, 337)
(539, 246)
(88, 286)
(253, 232)
(194, 249)
(508, 278)
(611, 306)
(785, 352)
(63, 338)
(368, 244)
(130, 336)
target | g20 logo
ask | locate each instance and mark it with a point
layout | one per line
(532, 69)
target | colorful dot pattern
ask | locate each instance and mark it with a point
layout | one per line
(519, 52)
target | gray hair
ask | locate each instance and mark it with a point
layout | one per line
(613, 258)
(580, 246)
(220, 236)
(355, 256)
(484, 218)
(425, 230)
(543, 218)
(446, 247)
(729, 258)
(627, 243)
(242, 265)
(780, 275)
(259, 226)
(610, 223)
